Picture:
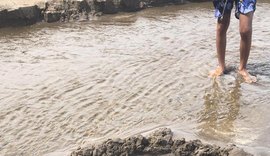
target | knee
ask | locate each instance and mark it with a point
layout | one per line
(222, 29)
(245, 32)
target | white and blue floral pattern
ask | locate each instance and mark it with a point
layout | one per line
(242, 7)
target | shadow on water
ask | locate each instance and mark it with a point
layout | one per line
(221, 109)
(262, 68)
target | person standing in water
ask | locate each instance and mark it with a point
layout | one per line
(244, 12)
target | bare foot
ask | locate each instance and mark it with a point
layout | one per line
(247, 77)
(217, 72)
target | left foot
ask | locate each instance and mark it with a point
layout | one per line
(217, 72)
(247, 77)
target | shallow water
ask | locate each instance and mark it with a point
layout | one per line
(67, 85)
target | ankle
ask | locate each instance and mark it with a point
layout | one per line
(242, 69)
(222, 68)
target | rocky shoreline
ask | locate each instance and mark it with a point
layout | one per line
(160, 142)
(73, 10)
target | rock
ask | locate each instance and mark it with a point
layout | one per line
(97, 6)
(54, 10)
(87, 152)
(162, 2)
(67, 10)
(132, 5)
(84, 16)
(135, 145)
(52, 16)
(70, 10)
(110, 7)
(158, 143)
(20, 17)
(208, 150)
(105, 6)
(84, 6)
(233, 150)
(3, 15)
(113, 147)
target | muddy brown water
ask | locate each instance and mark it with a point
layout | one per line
(68, 85)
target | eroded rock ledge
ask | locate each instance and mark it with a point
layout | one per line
(159, 142)
(70, 10)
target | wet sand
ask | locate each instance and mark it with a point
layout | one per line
(71, 84)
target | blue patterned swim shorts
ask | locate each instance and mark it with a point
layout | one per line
(241, 7)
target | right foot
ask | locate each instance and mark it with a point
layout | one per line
(218, 72)
(247, 77)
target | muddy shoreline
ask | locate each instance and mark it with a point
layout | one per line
(72, 10)
(160, 142)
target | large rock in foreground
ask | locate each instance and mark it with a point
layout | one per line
(158, 143)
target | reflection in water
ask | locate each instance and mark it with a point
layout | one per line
(221, 110)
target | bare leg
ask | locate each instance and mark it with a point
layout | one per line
(245, 44)
(221, 40)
